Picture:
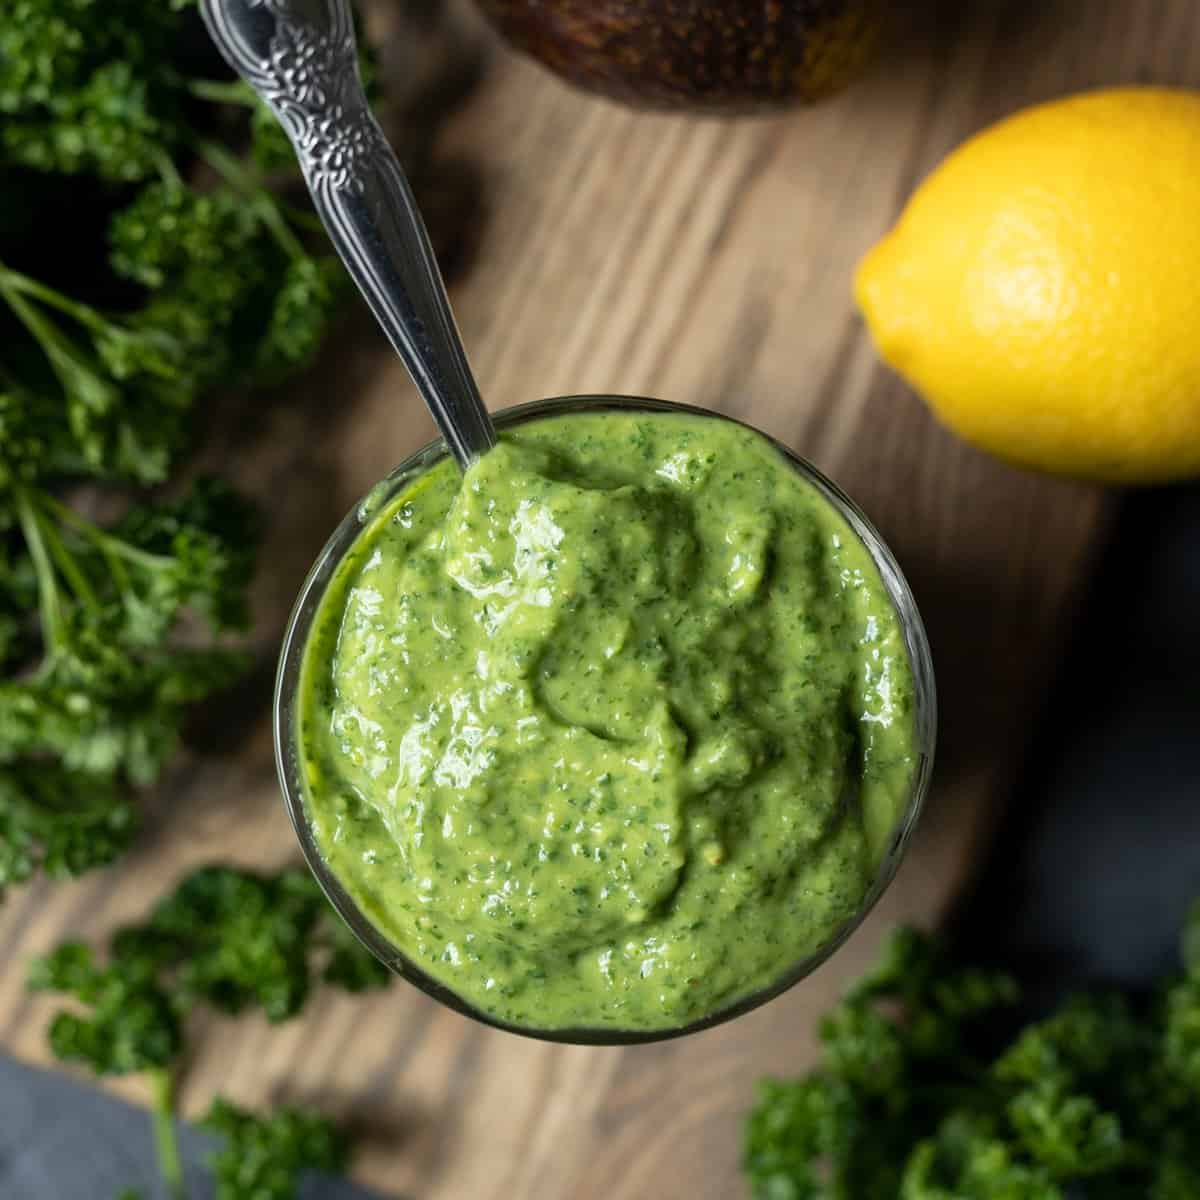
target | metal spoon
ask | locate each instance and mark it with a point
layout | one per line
(300, 57)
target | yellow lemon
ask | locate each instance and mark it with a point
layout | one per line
(1042, 288)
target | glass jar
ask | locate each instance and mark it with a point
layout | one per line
(287, 702)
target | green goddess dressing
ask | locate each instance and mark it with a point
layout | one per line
(612, 731)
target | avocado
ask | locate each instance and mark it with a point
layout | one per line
(702, 55)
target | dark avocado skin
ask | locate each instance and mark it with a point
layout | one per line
(702, 55)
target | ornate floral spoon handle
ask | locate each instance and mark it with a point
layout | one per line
(300, 57)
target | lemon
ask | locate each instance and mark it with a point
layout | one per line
(1042, 288)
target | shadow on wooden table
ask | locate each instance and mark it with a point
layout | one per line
(1031, 46)
(981, 605)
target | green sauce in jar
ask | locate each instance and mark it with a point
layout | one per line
(613, 731)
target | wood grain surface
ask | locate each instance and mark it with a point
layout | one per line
(597, 249)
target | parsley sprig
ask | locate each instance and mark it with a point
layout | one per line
(227, 940)
(926, 1093)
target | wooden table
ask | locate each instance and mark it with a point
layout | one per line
(702, 261)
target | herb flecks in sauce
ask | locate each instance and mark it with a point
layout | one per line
(613, 731)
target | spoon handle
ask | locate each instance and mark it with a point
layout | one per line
(300, 57)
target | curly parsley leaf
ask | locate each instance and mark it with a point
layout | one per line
(232, 939)
(228, 940)
(264, 1155)
(923, 1095)
(131, 1024)
(97, 703)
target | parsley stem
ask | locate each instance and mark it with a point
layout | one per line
(49, 600)
(84, 528)
(234, 172)
(222, 91)
(165, 1141)
(104, 541)
(66, 563)
(66, 360)
(83, 313)
(167, 170)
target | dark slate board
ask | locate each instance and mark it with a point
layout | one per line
(60, 1140)
(1093, 874)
